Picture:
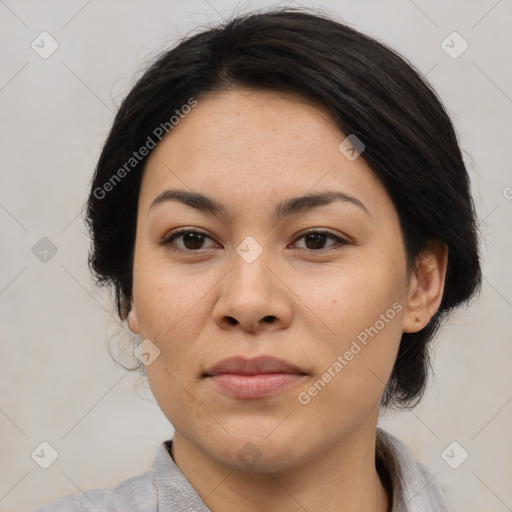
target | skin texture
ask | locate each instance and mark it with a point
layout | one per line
(251, 150)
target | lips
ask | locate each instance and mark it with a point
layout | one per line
(258, 365)
(260, 377)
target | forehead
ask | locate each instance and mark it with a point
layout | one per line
(251, 146)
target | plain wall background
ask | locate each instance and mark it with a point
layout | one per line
(58, 382)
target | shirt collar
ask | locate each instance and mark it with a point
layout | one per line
(413, 486)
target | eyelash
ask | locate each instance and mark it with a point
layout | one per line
(167, 241)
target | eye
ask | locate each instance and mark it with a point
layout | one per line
(315, 239)
(192, 240)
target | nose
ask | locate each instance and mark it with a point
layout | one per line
(253, 297)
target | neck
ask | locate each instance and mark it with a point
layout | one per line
(343, 480)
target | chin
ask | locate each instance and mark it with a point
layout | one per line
(259, 449)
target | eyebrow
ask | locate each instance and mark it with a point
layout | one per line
(292, 206)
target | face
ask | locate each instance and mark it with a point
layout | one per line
(250, 280)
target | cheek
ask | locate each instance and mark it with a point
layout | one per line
(167, 299)
(363, 309)
(171, 311)
(353, 296)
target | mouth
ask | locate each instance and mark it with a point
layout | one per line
(260, 377)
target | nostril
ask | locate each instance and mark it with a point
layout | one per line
(269, 319)
(232, 321)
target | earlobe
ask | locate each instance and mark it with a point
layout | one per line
(426, 287)
(133, 321)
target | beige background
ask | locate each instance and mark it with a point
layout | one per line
(58, 382)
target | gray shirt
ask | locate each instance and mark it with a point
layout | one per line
(165, 489)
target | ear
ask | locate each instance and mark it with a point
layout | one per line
(133, 321)
(426, 286)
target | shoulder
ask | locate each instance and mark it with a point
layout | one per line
(136, 494)
(414, 487)
(163, 488)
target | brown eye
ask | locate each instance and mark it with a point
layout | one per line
(191, 240)
(315, 240)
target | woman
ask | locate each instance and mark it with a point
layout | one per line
(284, 213)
